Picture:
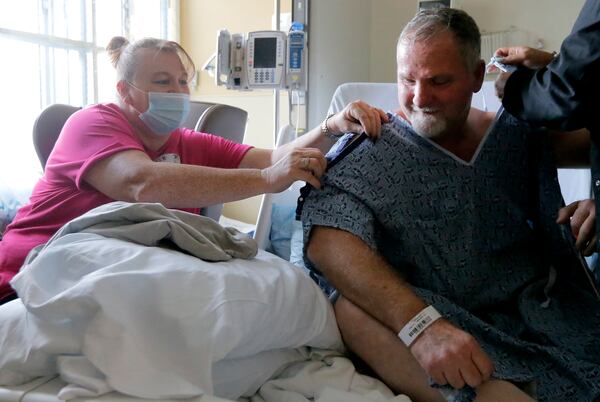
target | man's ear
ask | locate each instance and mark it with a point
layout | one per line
(479, 74)
(123, 91)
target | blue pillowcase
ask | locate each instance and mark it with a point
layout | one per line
(283, 214)
(282, 218)
(10, 202)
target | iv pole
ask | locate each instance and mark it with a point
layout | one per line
(299, 14)
(262, 232)
(276, 90)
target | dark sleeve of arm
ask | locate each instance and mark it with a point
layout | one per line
(339, 209)
(341, 204)
(560, 95)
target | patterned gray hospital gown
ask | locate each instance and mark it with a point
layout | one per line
(476, 240)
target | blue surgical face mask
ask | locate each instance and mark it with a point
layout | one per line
(166, 111)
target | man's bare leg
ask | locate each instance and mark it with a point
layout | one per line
(391, 360)
(501, 391)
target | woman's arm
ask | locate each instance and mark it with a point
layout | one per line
(131, 176)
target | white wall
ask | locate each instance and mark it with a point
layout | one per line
(549, 20)
(339, 43)
(388, 17)
(200, 22)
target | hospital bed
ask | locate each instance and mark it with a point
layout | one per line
(45, 389)
(574, 183)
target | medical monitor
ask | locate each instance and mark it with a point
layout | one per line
(265, 58)
(265, 52)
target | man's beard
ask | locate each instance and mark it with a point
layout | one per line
(426, 124)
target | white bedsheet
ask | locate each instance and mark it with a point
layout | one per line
(324, 376)
(108, 314)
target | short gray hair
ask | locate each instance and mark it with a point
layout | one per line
(431, 22)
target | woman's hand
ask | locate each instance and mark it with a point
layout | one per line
(357, 117)
(306, 164)
(582, 217)
(524, 56)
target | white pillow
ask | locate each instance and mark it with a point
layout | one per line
(155, 322)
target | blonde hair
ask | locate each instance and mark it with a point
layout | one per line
(123, 55)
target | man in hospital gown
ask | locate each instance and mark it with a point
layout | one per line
(448, 210)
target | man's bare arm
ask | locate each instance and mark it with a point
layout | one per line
(448, 354)
(363, 277)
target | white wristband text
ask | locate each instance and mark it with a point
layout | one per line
(418, 324)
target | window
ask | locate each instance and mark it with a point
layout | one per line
(53, 52)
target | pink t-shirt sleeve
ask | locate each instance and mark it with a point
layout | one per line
(211, 150)
(88, 136)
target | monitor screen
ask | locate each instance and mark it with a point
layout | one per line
(265, 52)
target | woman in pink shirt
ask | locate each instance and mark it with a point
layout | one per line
(137, 151)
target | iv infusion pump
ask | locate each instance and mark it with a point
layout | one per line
(262, 60)
(265, 58)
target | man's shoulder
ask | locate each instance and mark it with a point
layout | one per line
(395, 138)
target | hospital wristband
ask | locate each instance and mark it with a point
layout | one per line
(418, 324)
